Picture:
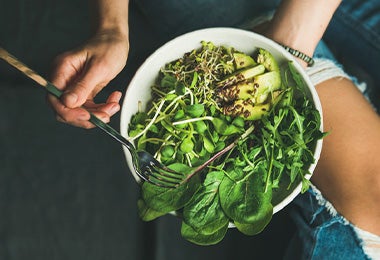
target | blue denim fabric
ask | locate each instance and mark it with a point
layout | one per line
(320, 233)
(354, 34)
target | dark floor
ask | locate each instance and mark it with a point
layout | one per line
(65, 192)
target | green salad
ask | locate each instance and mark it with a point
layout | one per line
(253, 111)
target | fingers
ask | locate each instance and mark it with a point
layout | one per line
(85, 71)
(105, 110)
(79, 116)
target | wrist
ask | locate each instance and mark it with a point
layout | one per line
(301, 24)
(294, 41)
(111, 16)
(289, 39)
(116, 29)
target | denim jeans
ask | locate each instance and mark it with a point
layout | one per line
(322, 233)
(353, 34)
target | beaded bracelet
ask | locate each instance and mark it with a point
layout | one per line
(309, 60)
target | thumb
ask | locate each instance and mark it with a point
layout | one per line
(85, 87)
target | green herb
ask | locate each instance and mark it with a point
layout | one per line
(266, 135)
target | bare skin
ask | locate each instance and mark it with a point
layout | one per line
(82, 73)
(348, 173)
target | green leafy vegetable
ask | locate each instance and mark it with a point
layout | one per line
(253, 112)
(201, 239)
(204, 213)
(167, 200)
(244, 197)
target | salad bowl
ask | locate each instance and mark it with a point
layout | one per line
(138, 93)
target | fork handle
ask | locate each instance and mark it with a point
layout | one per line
(52, 89)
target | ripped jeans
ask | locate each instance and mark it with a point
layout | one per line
(322, 233)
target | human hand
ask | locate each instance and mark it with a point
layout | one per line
(82, 73)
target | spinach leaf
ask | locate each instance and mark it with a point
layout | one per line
(146, 213)
(244, 199)
(204, 213)
(195, 237)
(166, 200)
(254, 228)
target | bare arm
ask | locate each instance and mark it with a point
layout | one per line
(301, 24)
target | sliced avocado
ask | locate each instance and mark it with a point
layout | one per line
(260, 87)
(243, 60)
(266, 83)
(241, 90)
(247, 109)
(246, 90)
(242, 75)
(266, 58)
(257, 88)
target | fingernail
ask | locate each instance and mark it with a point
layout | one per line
(70, 98)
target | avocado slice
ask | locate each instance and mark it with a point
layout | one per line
(243, 60)
(267, 83)
(242, 90)
(266, 58)
(246, 109)
(242, 75)
(257, 88)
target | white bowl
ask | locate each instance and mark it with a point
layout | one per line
(139, 89)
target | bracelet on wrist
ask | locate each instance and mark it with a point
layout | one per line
(296, 53)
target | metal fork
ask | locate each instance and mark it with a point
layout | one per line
(146, 166)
